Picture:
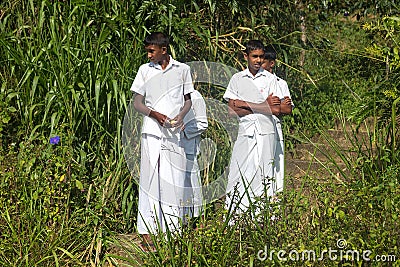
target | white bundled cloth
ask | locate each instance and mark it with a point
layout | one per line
(195, 124)
(163, 160)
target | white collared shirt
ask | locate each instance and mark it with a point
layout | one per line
(244, 86)
(283, 89)
(163, 91)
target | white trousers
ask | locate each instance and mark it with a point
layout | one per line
(161, 185)
(251, 170)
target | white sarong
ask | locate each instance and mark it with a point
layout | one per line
(251, 169)
(162, 175)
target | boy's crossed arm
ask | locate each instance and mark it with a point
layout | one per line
(286, 106)
(271, 106)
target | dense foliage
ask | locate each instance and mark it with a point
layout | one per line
(66, 69)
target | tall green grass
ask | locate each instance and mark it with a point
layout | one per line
(66, 68)
(312, 214)
(66, 71)
(64, 74)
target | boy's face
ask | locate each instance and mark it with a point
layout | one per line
(254, 60)
(155, 53)
(268, 64)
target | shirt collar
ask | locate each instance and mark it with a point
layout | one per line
(261, 72)
(172, 62)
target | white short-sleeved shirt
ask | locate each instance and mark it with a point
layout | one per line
(164, 92)
(283, 88)
(244, 86)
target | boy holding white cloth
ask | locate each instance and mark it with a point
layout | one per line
(162, 94)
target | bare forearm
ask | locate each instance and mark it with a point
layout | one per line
(241, 112)
(177, 121)
(286, 109)
(142, 108)
(263, 108)
(286, 106)
(186, 107)
(234, 110)
(275, 110)
(139, 106)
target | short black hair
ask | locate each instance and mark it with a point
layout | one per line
(157, 38)
(254, 45)
(270, 52)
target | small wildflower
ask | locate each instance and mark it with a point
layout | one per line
(346, 14)
(55, 140)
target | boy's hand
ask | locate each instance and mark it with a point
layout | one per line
(273, 100)
(160, 118)
(287, 101)
(274, 104)
(177, 121)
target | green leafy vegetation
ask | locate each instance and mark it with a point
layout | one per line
(66, 194)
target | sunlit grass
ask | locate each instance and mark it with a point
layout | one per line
(313, 215)
(66, 68)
